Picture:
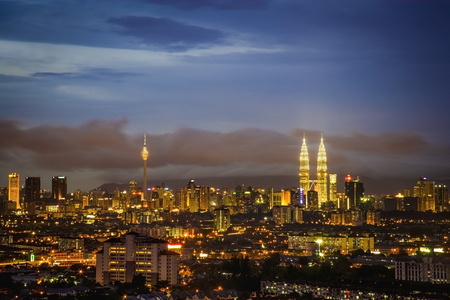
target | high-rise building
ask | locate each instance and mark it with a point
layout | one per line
(354, 191)
(59, 187)
(333, 189)
(144, 154)
(304, 172)
(204, 195)
(426, 193)
(441, 198)
(285, 197)
(125, 257)
(32, 187)
(221, 219)
(14, 189)
(322, 176)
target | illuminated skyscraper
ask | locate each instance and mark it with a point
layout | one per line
(322, 176)
(333, 189)
(426, 193)
(221, 219)
(59, 187)
(14, 189)
(144, 154)
(304, 173)
(354, 191)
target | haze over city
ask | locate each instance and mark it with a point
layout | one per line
(224, 90)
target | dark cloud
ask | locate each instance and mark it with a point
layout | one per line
(104, 144)
(215, 4)
(391, 143)
(166, 33)
(189, 146)
(105, 147)
(93, 145)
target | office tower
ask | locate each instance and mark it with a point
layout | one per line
(276, 199)
(426, 193)
(204, 198)
(322, 176)
(221, 219)
(32, 187)
(59, 187)
(14, 189)
(313, 199)
(125, 257)
(333, 189)
(441, 198)
(144, 154)
(304, 172)
(341, 202)
(285, 197)
(190, 197)
(3, 201)
(407, 192)
(354, 191)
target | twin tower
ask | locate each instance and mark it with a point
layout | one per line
(319, 185)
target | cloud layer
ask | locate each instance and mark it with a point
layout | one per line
(103, 146)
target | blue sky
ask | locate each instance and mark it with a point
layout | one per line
(224, 89)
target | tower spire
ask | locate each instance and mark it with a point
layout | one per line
(144, 154)
(304, 173)
(322, 180)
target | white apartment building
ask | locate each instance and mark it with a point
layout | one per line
(124, 257)
(424, 269)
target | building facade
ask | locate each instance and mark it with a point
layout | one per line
(426, 269)
(322, 176)
(123, 258)
(59, 187)
(14, 189)
(32, 187)
(304, 173)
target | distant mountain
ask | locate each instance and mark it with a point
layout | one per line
(277, 182)
(111, 187)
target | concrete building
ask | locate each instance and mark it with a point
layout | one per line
(221, 219)
(123, 258)
(426, 269)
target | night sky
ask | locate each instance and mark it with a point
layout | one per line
(224, 90)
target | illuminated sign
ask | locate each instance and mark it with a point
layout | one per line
(174, 246)
(203, 255)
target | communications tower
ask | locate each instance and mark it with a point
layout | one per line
(144, 154)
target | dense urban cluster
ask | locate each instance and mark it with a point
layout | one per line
(208, 242)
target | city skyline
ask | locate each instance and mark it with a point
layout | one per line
(224, 90)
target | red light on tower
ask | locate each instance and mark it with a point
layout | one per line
(348, 178)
